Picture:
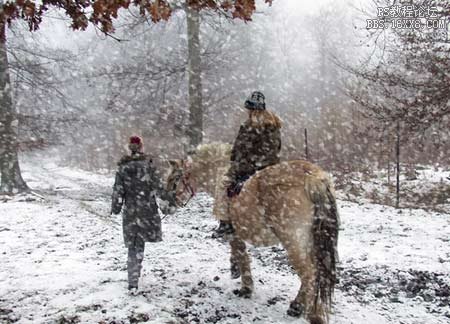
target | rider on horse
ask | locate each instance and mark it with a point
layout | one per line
(256, 147)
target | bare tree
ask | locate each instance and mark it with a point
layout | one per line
(195, 130)
(11, 178)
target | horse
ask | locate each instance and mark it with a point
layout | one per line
(292, 203)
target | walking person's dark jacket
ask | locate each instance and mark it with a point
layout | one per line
(135, 190)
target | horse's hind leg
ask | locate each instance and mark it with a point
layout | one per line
(302, 261)
(298, 262)
(240, 257)
(234, 267)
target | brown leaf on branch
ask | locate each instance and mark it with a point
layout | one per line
(102, 12)
(159, 10)
(244, 9)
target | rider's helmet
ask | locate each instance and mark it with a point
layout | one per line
(256, 101)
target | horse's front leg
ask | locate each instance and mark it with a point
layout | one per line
(240, 257)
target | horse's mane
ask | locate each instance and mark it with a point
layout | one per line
(213, 153)
(210, 162)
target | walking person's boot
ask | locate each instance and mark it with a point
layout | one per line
(225, 228)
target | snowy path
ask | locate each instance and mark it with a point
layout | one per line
(63, 261)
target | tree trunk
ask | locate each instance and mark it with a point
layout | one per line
(397, 153)
(195, 130)
(389, 159)
(11, 178)
(306, 145)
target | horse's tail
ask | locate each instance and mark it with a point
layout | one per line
(325, 235)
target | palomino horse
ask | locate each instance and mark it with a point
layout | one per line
(291, 203)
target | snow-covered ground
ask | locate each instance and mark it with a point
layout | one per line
(427, 188)
(63, 261)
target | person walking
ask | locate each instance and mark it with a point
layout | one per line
(136, 186)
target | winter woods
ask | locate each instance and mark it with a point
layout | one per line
(100, 14)
(104, 99)
(178, 76)
(402, 87)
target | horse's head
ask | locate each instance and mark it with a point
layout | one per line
(180, 181)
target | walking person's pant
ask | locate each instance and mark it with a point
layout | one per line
(134, 265)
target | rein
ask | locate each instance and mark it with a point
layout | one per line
(187, 187)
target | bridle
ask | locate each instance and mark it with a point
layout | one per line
(187, 187)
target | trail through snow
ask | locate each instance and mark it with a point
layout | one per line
(63, 261)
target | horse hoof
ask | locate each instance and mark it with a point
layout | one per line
(295, 309)
(243, 292)
(235, 271)
(315, 320)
